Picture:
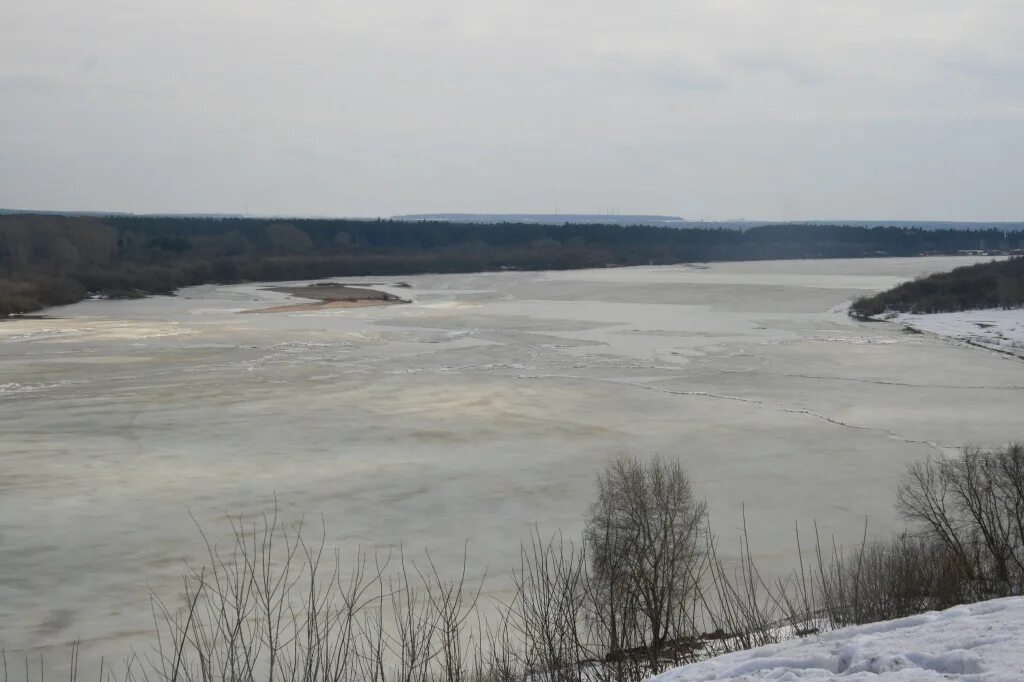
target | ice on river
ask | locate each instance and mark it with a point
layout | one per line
(482, 408)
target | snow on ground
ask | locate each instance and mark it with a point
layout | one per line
(998, 329)
(981, 642)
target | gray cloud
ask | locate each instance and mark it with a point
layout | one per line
(776, 63)
(973, 65)
(703, 108)
(15, 84)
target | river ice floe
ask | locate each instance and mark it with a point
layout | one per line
(468, 416)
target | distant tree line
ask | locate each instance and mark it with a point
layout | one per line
(998, 284)
(50, 260)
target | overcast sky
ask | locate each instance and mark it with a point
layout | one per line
(713, 109)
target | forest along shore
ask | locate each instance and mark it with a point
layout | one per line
(330, 295)
(50, 260)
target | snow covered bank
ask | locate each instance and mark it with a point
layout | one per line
(979, 642)
(998, 329)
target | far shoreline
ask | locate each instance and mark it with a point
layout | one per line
(41, 312)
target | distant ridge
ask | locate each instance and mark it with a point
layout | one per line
(126, 214)
(557, 219)
(547, 218)
(676, 221)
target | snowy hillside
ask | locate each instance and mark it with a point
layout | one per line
(981, 642)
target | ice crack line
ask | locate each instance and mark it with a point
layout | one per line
(753, 401)
(792, 410)
(880, 382)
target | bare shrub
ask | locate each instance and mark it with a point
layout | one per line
(548, 612)
(974, 506)
(744, 610)
(274, 607)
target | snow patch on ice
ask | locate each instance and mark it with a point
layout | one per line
(997, 329)
(15, 388)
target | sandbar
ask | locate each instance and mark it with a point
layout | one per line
(330, 295)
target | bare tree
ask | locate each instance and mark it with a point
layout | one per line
(974, 505)
(645, 538)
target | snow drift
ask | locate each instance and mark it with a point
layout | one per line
(980, 642)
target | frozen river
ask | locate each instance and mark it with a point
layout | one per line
(484, 407)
